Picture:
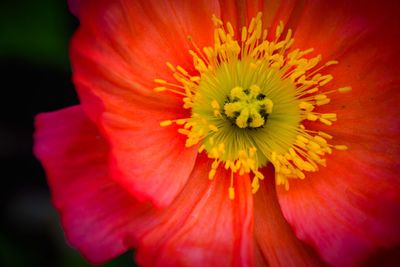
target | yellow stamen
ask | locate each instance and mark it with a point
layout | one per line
(344, 89)
(166, 123)
(248, 99)
(231, 193)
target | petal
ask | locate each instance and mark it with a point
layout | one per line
(202, 227)
(150, 161)
(275, 239)
(334, 27)
(120, 48)
(240, 12)
(74, 6)
(358, 193)
(385, 258)
(95, 212)
(359, 200)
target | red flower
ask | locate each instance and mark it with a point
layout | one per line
(121, 181)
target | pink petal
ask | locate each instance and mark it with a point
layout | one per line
(74, 6)
(275, 238)
(95, 212)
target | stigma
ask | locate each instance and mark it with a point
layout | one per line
(249, 98)
(247, 108)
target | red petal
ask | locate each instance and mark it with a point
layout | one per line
(120, 48)
(150, 161)
(240, 12)
(275, 238)
(334, 27)
(385, 258)
(202, 227)
(95, 212)
(348, 209)
(74, 6)
(358, 194)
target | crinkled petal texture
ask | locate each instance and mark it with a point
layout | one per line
(351, 208)
(276, 243)
(119, 49)
(202, 227)
(241, 12)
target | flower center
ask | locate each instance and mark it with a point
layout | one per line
(247, 108)
(248, 100)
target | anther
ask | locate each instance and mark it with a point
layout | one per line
(344, 89)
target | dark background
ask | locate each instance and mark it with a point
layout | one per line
(35, 77)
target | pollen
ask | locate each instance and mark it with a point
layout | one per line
(255, 101)
(247, 108)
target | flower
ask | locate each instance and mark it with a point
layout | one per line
(236, 159)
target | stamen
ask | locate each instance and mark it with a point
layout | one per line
(248, 98)
(231, 189)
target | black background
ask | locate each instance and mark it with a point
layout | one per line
(35, 77)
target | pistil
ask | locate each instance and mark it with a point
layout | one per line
(248, 99)
(248, 108)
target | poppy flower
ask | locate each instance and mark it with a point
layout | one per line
(229, 133)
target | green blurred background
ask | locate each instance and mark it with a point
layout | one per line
(35, 77)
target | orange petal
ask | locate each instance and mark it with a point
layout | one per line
(119, 49)
(240, 12)
(150, 161)
(122, 46)
(202, 227)
(274, 236)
